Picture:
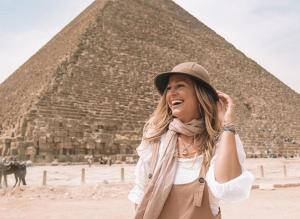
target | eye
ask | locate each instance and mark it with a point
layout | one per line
(168, 88)
(180, 85)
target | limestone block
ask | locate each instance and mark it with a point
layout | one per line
(49, 139)
(72, 133)
(62, 133)
(120, 157)
(20, 138)
(67, 145)
(57, 139)
(79, 134)
(43, 146)
(13, 145)
(30, 151)
(43, 130)
(91, 144)
(7, 140)
(75, 144)
(67, 139)
(42, 139)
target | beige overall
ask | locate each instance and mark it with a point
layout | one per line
(187, 201)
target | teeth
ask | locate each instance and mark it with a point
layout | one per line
(175, 102)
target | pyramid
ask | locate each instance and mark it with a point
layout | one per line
(89, 90)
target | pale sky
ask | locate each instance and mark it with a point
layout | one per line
(267, 31)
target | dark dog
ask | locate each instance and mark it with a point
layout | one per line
(13, 167)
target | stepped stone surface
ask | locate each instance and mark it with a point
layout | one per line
(89, 89)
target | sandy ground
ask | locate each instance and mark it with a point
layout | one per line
(102, 201)
(104, 195)
(110, 201)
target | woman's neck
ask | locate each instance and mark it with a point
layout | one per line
(187, 139)
(187, 120)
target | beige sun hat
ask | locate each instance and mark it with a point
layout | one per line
(196, 71)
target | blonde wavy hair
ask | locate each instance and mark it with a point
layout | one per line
(159, 121)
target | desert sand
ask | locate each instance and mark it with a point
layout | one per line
(104, 193)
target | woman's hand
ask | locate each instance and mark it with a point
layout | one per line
(226, 109)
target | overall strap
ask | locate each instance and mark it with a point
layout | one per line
(198, 194)
(203, 169)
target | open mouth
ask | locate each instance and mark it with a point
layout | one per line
(176, 103)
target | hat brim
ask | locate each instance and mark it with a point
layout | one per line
(161, 81)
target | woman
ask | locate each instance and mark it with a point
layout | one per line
(190, 155)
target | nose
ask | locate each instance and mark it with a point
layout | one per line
(173, 91)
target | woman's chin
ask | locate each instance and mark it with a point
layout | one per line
(178, 115)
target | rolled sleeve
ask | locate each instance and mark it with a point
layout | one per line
(236, 189)
(136, 194)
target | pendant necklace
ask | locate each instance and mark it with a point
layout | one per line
(185, 148)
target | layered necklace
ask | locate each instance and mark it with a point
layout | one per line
(186, 149)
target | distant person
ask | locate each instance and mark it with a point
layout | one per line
(90, 160)
(101, 160)
(190, 156)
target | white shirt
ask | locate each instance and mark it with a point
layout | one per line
(236, 189)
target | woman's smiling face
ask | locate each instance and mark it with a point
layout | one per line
(181, 98)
